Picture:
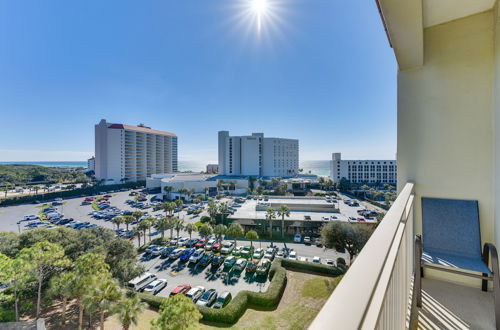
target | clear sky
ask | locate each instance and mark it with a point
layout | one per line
(320, 71)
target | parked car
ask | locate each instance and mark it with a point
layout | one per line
(263, 267)
(197, 255)
(240, 264)
(330, 262)
(292, 255)
(210, 245)
(316, 260)
(208, 298)
(229, 262)
(174, 240)
(195, 293)
(237, 250)
(227, 248)
(166, 251)
(206, 259)
(217, 246)
(183, 241)
(246, 251)
(251, 266)
(186, 254)
(297, 238)
(259, 253)
(307, 240)
(157, 251)
(150, 248)
(176, 254)
(270, 253)
(201, 243)
(318, 242)
(180, 289)
(141, 281)
(217, 261)
(156, 286)
(30, 217)
(191, 243)
(224, 299)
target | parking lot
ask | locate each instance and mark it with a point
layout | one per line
(174, 271)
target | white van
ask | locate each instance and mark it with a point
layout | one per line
(140, 282)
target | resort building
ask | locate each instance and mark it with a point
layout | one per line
(363, 171)
(91, 164)
(256, 155)
(212, 168)
(448, 148)
(126, 153)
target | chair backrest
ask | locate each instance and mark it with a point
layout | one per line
(451, 226)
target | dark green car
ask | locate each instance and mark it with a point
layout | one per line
(247, 251)
(229, 262)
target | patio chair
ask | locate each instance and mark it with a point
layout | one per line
(451, 242)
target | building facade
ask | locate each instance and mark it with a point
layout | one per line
(363, 171)
(257, 155)
(91, 164)
(125, 153)
(212, 168)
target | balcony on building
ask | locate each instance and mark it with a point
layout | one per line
(448, 117)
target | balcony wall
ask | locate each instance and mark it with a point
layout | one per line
(445, 119)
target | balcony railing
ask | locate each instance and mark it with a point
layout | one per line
(375, 292)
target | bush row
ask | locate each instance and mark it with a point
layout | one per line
(152, 301)
(237, 307)
(69, 193)
(313, 267)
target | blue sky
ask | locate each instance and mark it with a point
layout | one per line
(318, 70)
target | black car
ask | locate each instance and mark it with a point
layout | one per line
(224, 299)
(206, 259)
(217, 261)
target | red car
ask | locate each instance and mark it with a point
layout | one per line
(182, 289)
(201, 243)
(216, 247)
(108, 196)
(89, 199)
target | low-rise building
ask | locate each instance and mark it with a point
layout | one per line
(363, 171)
(212, 168)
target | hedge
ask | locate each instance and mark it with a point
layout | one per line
(152, 301)
(313, 267)
(70, 193)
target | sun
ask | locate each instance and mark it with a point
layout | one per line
(259, 7)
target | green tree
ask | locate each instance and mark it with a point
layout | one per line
(190, 228)
(14, 272)
(127, 220)
(283, 212)
(223, 210)
(137, 215)
(205, 230)
(343, 235)
(177, 313)
(270, 216)
(118, 221)
(212, 210)
(61, 286)
(252, 236)
(103, 296)
(235, 231)
(43, 259)
(150, 221)
(143, 226)
(169, 208)
(344, 185)
(178, 225)
(162, 225)
(220, 230)
(168, 190)
(128, 310)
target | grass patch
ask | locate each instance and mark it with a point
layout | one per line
(318, 287)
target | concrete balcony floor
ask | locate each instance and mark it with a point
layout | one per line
(446, 305)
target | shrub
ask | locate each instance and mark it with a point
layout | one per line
(340, 261)
(152, 301)
(205, 219)
(7, 315)
(313, 267)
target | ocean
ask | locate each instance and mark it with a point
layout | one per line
(318, 167)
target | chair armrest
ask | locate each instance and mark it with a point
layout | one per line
(490, 250)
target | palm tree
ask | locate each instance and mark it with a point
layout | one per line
(168, 190)
(252, 236)
(178, 204)
(128, 310)
(321, 182)
(171, 225)
(150, 221)
(235, 231)
(169, 208)
(103, 296)
(137, 215)
(143, 226)
(136, 231)
(190, 228)
(127, 220)
(223, 209)
(270, 216)
(178, 225)
(118, 221)
(220, 230)
(213, 210)
(61, 286)
(283, 212)
(220, 185)
(162, 225)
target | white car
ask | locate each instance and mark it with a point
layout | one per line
(157, 250)
(195, 293)
(307, 240)
(316, 260)
(293, 255)
(227, 248)
(197, 255)
(210, 244)
(156, 286)
(325, 218)
(182, 241)
(30, 217)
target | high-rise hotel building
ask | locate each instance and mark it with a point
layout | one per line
(257, 155)
(363, 171)
(125, 153)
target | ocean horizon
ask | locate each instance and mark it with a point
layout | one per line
(317, 167)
